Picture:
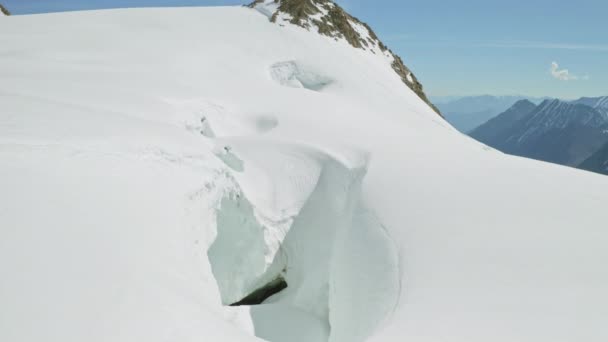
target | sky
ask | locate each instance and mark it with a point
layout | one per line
(555, 48)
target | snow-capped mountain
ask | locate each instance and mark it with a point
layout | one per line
(499, 129)
(4, 11)
(598, 103)
(555, 131)
(469, 112)
(164, 171)
(329, 19)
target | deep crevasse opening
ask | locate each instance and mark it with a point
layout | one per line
(339, 265)
(237, 255)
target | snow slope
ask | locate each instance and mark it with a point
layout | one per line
(159, 164)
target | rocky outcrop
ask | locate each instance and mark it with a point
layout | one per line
(4, 10)
(329, 19)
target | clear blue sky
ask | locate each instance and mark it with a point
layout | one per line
(463, 47)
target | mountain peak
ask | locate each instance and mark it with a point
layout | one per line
(551, 131)
(551, 113)
(555, 106)
(4, 10)
(548, 102)
(573, 108)
(329, 19)
(525, 103)
(326, 16)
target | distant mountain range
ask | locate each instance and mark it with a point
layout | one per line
(571, 133)
(598, 162)
(598, 103)
(467, 113)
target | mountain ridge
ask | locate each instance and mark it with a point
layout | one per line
(469, 112)
(499, 127)
(330, 19)
(556, 131)
(4, 10)
(598, 103)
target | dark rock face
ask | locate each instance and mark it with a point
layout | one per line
(598, 162)
(554, 131)
(4, 10)
(332, 21)
(497, 131)
(598, 103)
(406, 75)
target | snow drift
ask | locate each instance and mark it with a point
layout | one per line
(159, 165)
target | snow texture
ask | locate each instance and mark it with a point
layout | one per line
(157, 165)
(290, 74)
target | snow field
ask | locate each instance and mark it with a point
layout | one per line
(153, 170)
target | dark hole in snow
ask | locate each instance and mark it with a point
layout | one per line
(260, 295)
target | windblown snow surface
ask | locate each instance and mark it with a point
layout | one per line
(157, 165)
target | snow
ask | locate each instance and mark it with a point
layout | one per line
(365, 35)
(291, 74)
(267, 7)
(321, 14)
(158, 164)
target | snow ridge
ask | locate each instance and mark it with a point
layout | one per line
(306, 233)
(329, 19)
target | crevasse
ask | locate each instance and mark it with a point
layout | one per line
(339, 264)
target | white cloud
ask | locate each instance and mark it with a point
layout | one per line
(562, 74)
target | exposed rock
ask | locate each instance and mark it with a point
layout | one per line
(4, 10)
(331, 20)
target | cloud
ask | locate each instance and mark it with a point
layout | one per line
(562, 74)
